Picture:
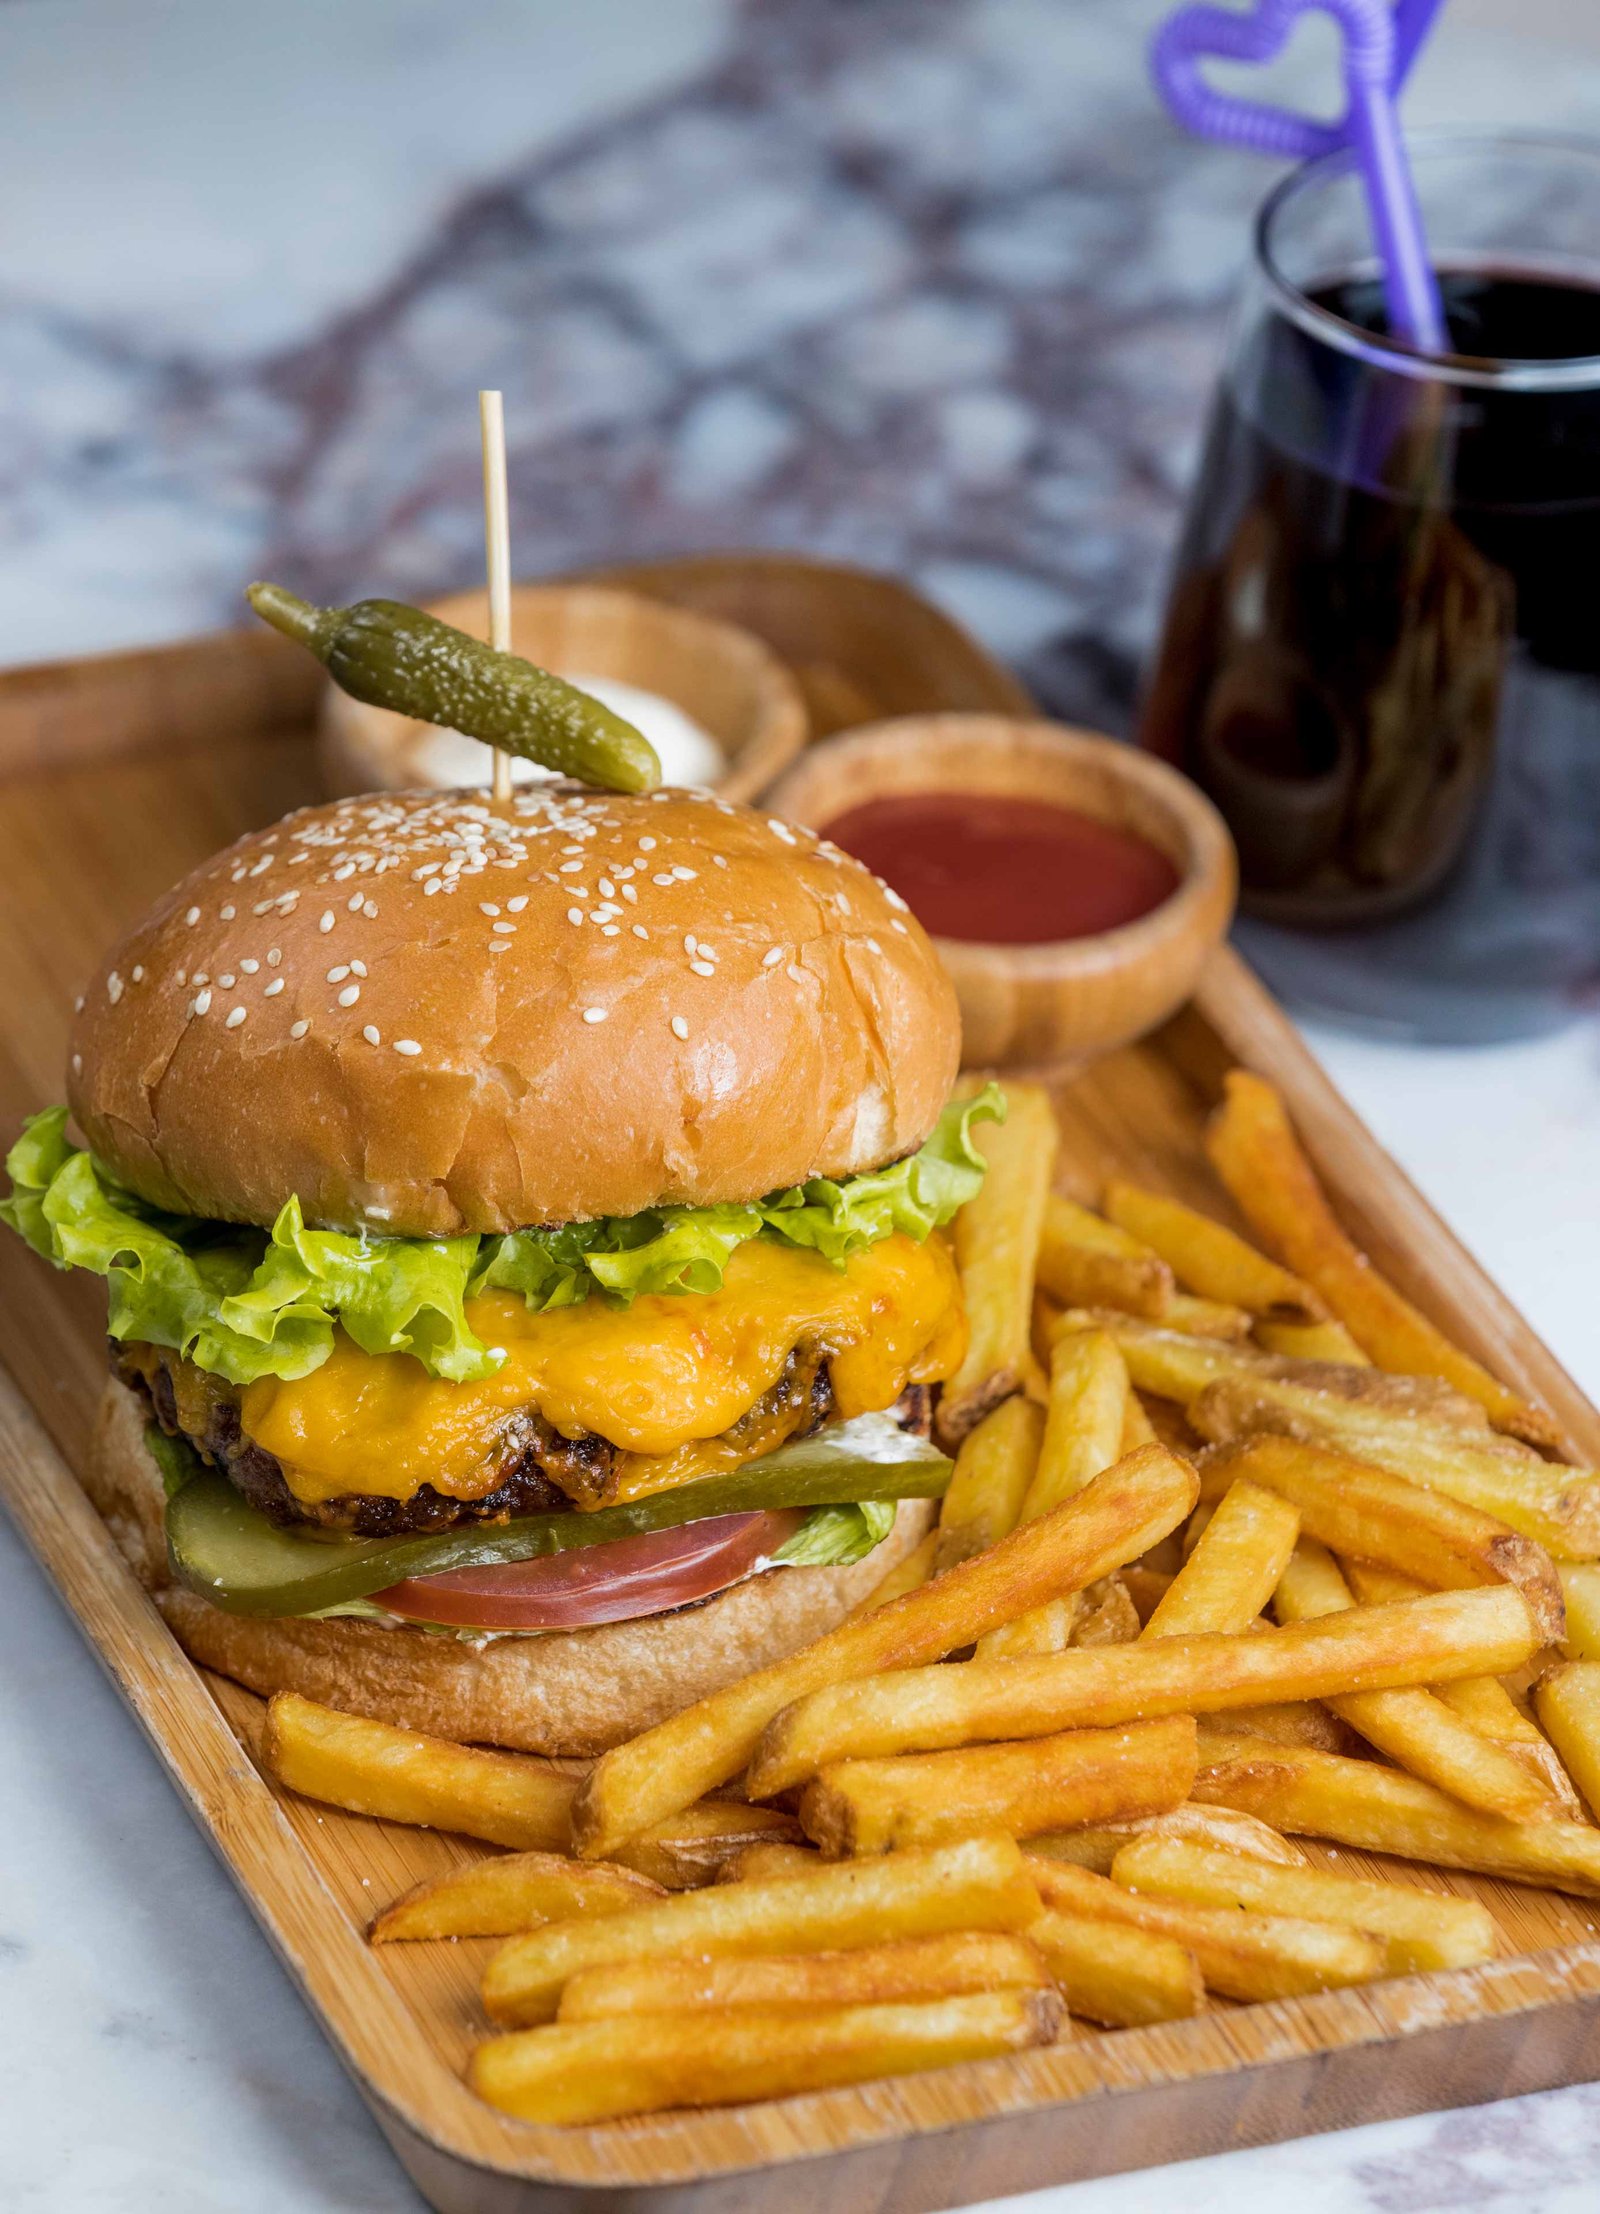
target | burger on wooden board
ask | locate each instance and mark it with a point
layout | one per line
(521, 1225)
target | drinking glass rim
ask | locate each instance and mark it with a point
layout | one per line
(1480, 371)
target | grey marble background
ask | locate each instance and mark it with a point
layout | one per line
(926, 283)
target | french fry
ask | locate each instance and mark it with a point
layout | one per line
(1244, 1956)
(1288, 1722)
(759, 1863)
(1481, 1701)
(1234, 1567)
(1218, 1828)
(1137, 1428)
(1085, 1261)
(1206, 1318)
(1049, 1783)
(1254, 1149)
(878, 1975)
(1580, 1585)
(367, 1767)
(1450, 1633)
(979, 1884)
(693, 1846)
(1107, 1615)
(1379, 1517)
(1082, 1436)
(1118, 1975)
(1420, 1929)
(1173, 1364)
(580, 2072)
(513, 1891)
(1115, 1519)
(996, 1243)
(1568, 1701)
(1381, 1810)
(1210, 1260)
(1413, 1726)
(1083, 1426)
(1311, 1341)
(1046, 1629)
(994, 1467)
(1558, 1508)
(906, 1575)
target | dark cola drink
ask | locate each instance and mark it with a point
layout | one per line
(1382, 653)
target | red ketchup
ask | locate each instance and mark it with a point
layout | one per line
(1008, 872)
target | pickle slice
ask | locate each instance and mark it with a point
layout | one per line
(223, 1548)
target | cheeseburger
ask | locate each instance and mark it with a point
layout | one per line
(521, 1226)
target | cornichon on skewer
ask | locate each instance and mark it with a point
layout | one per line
(395, 656)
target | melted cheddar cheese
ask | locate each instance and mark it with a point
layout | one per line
(663, 1379)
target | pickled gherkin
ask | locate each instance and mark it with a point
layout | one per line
(401, 658)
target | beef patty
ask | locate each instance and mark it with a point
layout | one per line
(538, 1470)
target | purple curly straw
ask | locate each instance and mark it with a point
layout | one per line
(1376, 46)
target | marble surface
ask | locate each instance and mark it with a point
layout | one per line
(925, 283)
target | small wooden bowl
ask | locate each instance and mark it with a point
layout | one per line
(725, 679)
(1074, 998)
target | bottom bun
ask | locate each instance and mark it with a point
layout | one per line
(565, 1692)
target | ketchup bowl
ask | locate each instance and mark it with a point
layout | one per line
(1007, 834)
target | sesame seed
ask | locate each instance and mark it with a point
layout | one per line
(408, 1046)
(780, 830)
(680, 1029)
(594, 1014)
(707, 953)
(702, 968)
(299, 1029)
(515, 906)
(236, 1018)
(663, 879)
(873, 946)
(574, 914)
(227, 913)
(337, 974)
(326, 922)
(200, 1004)
(369, 908)
(897, 924)
(350, 994)
(640, 931)
(138, 971)
(77, 1005)
(795, 973)
(607, 889)
(569, 868)
(434, 884)
(371, 1034)
(487, 907)
(610, 930)
(647, 845)
(358, 968)
(274, 956)
(721, 860)
(247, 968)
(630, 893)
(506, 930)
(113, 987)
(77, 1064)
(227, 982)
(192, 917)
(688, 941)
(683, 875)
(772, 956)
(894, 899)
(274, 988)
(352, 905)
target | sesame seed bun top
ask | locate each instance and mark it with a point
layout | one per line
(426, 1013)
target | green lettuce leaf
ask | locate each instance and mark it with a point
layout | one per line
(246, 1303)
(833, 1537)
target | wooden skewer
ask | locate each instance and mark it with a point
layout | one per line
(497, 544)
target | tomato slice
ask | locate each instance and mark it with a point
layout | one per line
(614, 1582)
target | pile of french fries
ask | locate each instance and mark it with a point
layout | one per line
(1239, 1549)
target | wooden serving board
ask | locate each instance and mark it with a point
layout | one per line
(115, 777)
